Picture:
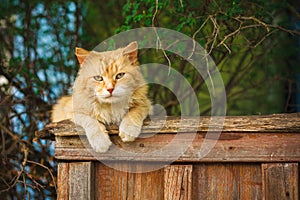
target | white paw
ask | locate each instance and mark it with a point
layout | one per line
(100, 142)
(126, 138)
(128, 131)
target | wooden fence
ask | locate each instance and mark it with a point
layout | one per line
(255, 157)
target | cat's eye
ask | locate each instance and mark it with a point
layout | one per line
(120, 75)
(98, 78)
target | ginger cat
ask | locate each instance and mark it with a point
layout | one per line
(109, 89)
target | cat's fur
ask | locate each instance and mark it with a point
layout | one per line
(109, 89)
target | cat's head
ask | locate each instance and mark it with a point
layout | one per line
(110, 76)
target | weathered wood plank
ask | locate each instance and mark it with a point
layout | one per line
(227, 181)
(81, 181)
(118, 183)
(280, 181)
(268, 123)
(178, 182)
(104, 179)
(231, 147)
(63, 181)
(250, 181)
(152, 185)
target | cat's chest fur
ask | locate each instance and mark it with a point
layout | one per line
(111, 113)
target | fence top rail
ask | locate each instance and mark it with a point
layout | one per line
(269, 138)
(276, 123)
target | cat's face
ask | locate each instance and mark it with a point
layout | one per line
(111, 76)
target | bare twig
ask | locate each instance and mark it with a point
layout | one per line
(229, 35)
(10, 133)
(256, 20)
(47, 168)
(264, 38)
(16, 179)
(159, 43)
(215, 33)
(194, 37)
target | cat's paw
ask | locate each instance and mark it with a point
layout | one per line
(126, 138)
(129, 131)
(100, 142)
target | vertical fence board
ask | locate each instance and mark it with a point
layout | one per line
(120, 184)
(250, 181)
(63, 181)
(227, 181)
(178, 182)
(81, 184)
(280, 181)
(152, 185)
(103, 182)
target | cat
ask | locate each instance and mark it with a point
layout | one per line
(109, 89)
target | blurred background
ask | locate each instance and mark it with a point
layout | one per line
(255, 45)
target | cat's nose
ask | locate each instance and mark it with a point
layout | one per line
(110, 90)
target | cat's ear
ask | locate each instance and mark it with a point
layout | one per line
(81, 54)
(131, 50)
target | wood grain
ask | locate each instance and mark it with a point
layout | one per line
(269, 123)
(119, 184)
(272, 138)
(178, 182)
(63, 181)
(81, 180)
(230, 147)
(280, 181)
(227, 181)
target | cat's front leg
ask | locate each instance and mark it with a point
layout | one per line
(128, 130)
(131, 125)
(96, 132)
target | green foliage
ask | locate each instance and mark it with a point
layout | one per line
(241, 36)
